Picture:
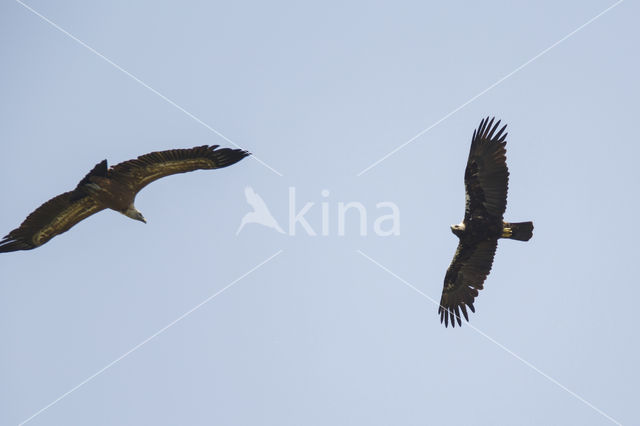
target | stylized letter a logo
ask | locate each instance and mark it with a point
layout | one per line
(260, 214)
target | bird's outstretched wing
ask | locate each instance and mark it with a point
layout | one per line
(52, 218)
(55, 216)
(464, 278)
(145, 169)
(486, 177)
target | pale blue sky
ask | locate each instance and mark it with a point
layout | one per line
(319, 335)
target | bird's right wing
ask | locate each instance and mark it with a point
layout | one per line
(145, 169)
(52, 218)
(465, 276)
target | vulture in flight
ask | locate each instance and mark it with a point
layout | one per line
(114, 188)
(486, 179)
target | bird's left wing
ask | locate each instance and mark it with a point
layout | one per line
(486, 176)
(465, 276)
(145, 169)
(52, 218)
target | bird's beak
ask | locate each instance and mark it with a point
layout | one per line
(142, 219)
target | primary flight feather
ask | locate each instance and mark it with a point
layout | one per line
(486, 180)
(113, 188)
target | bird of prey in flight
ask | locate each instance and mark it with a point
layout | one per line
(486, 179)
(113, 188)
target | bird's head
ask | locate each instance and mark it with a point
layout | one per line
(458, 229)
(133, 213)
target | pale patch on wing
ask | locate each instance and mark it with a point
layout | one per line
(147, 168)
(66, 219)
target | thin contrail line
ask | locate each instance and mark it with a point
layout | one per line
(145, 341)
(487, 89)
(491, 339)
(142, 83)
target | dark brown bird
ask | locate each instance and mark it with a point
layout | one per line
(486, 180)
(114, 188)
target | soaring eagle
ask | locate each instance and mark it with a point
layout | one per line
(486, 179)
(114, 188)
